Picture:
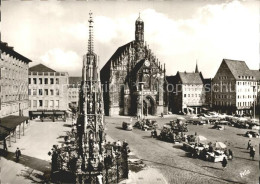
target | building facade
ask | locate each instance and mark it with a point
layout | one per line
(134, 81)
(234, 88)
(48, 89)
(187, 93)
(208, 93)
(13, 82)
(73, 90)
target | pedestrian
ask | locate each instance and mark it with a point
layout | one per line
(230, 152)
(17, 154)
(252, 152)
(248, 144)
(161, 115)
(118, 144)
(224, 163)
(5, 146)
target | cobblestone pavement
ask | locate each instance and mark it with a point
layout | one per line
(164, 160)
(174, 163)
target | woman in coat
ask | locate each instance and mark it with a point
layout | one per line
(224, 163)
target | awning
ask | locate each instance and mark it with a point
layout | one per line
(3, 133)
(11, 122)
(191, 109)
(48, 113)
(61, 112)
(37, 113)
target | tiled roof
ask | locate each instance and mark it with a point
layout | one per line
(75, 80)
(10, 50)
(190, 78)
(105, 71)
(238, 68)
(171, 79)
(40, 68)
(256, 74)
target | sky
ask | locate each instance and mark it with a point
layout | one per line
(179, 33)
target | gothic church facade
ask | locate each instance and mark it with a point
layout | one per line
(134, 81)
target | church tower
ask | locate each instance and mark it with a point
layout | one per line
(139, 30)
(139, 39)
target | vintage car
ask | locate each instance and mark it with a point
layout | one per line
(252, 134)
(127, 126)
(218, 127)
(199, 122)
(146, 125)
(179, 125)
(254, 124)
(167, 134)
(151, 124)
(216, 156)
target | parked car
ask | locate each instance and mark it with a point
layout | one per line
(252, 134)
(213, 114)
(127, 126)
(219, 127)
(222, 116)
(199, 122)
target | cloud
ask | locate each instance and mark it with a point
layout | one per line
(51, 7)
(209, 33)
(227, 30)
(61, 60)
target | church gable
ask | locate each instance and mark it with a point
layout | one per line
(132, 63)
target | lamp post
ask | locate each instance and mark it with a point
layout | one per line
(142, 103)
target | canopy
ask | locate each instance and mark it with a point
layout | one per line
(191, 109)
(48, 112)
(255, 121)
(181, 118)
(37, 113)
(242, 119)
(3, 133)
(220, 145)
(200, 138)
(11, 122)
(60, 112)
(194, 117)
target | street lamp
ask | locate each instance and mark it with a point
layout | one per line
(142, 84)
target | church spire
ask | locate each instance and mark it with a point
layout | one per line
(90, 39)
(196, 68)
(139, 30)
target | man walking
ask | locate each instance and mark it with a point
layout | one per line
(5, 146)
(17, 154)
(252, 152)
(249, 145)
